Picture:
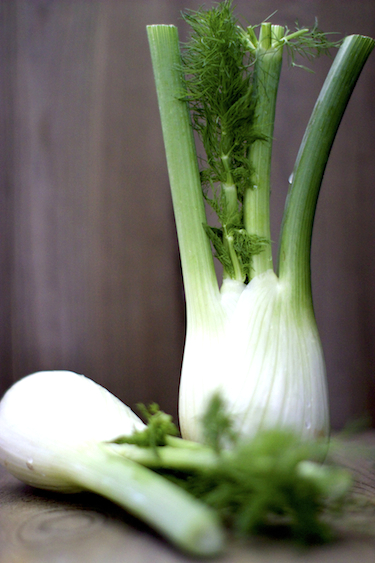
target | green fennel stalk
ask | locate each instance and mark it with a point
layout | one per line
(296, 233)
(255, 338)
(267, 70)
(183, 167)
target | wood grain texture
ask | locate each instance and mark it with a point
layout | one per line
(95, 286)
(89, 268)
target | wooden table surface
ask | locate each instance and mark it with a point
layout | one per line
(41, 527)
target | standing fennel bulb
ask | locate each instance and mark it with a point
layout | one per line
(255, 339)
(272, 342)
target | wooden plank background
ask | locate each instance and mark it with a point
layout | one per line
(89, 268)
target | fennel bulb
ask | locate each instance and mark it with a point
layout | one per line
(47, 415)
(264, 358)
(54, 432)
(255, 339)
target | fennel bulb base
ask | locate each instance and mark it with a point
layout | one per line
(266, 361)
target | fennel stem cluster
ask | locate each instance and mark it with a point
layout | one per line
(254, 339)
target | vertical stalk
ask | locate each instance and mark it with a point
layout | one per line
(200, 282)
(296, 232)
(257, 197)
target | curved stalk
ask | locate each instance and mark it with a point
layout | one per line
(296, 233)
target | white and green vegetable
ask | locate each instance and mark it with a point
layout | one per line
(54, 429)
(270, 483)
(61, 431)
(255, 338)
(253, 381)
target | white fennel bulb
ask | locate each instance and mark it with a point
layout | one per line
(47, 415)
(265, 359)
(54, 432)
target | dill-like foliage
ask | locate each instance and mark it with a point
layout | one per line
(271, 484)
(217, 65)
(218, 69)
(218, 430)
(259, 489)
(159, 426)
(245, 246)
(257, 485)
(308, 43)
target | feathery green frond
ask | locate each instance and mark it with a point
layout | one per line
(228, 70)
(159, 426)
